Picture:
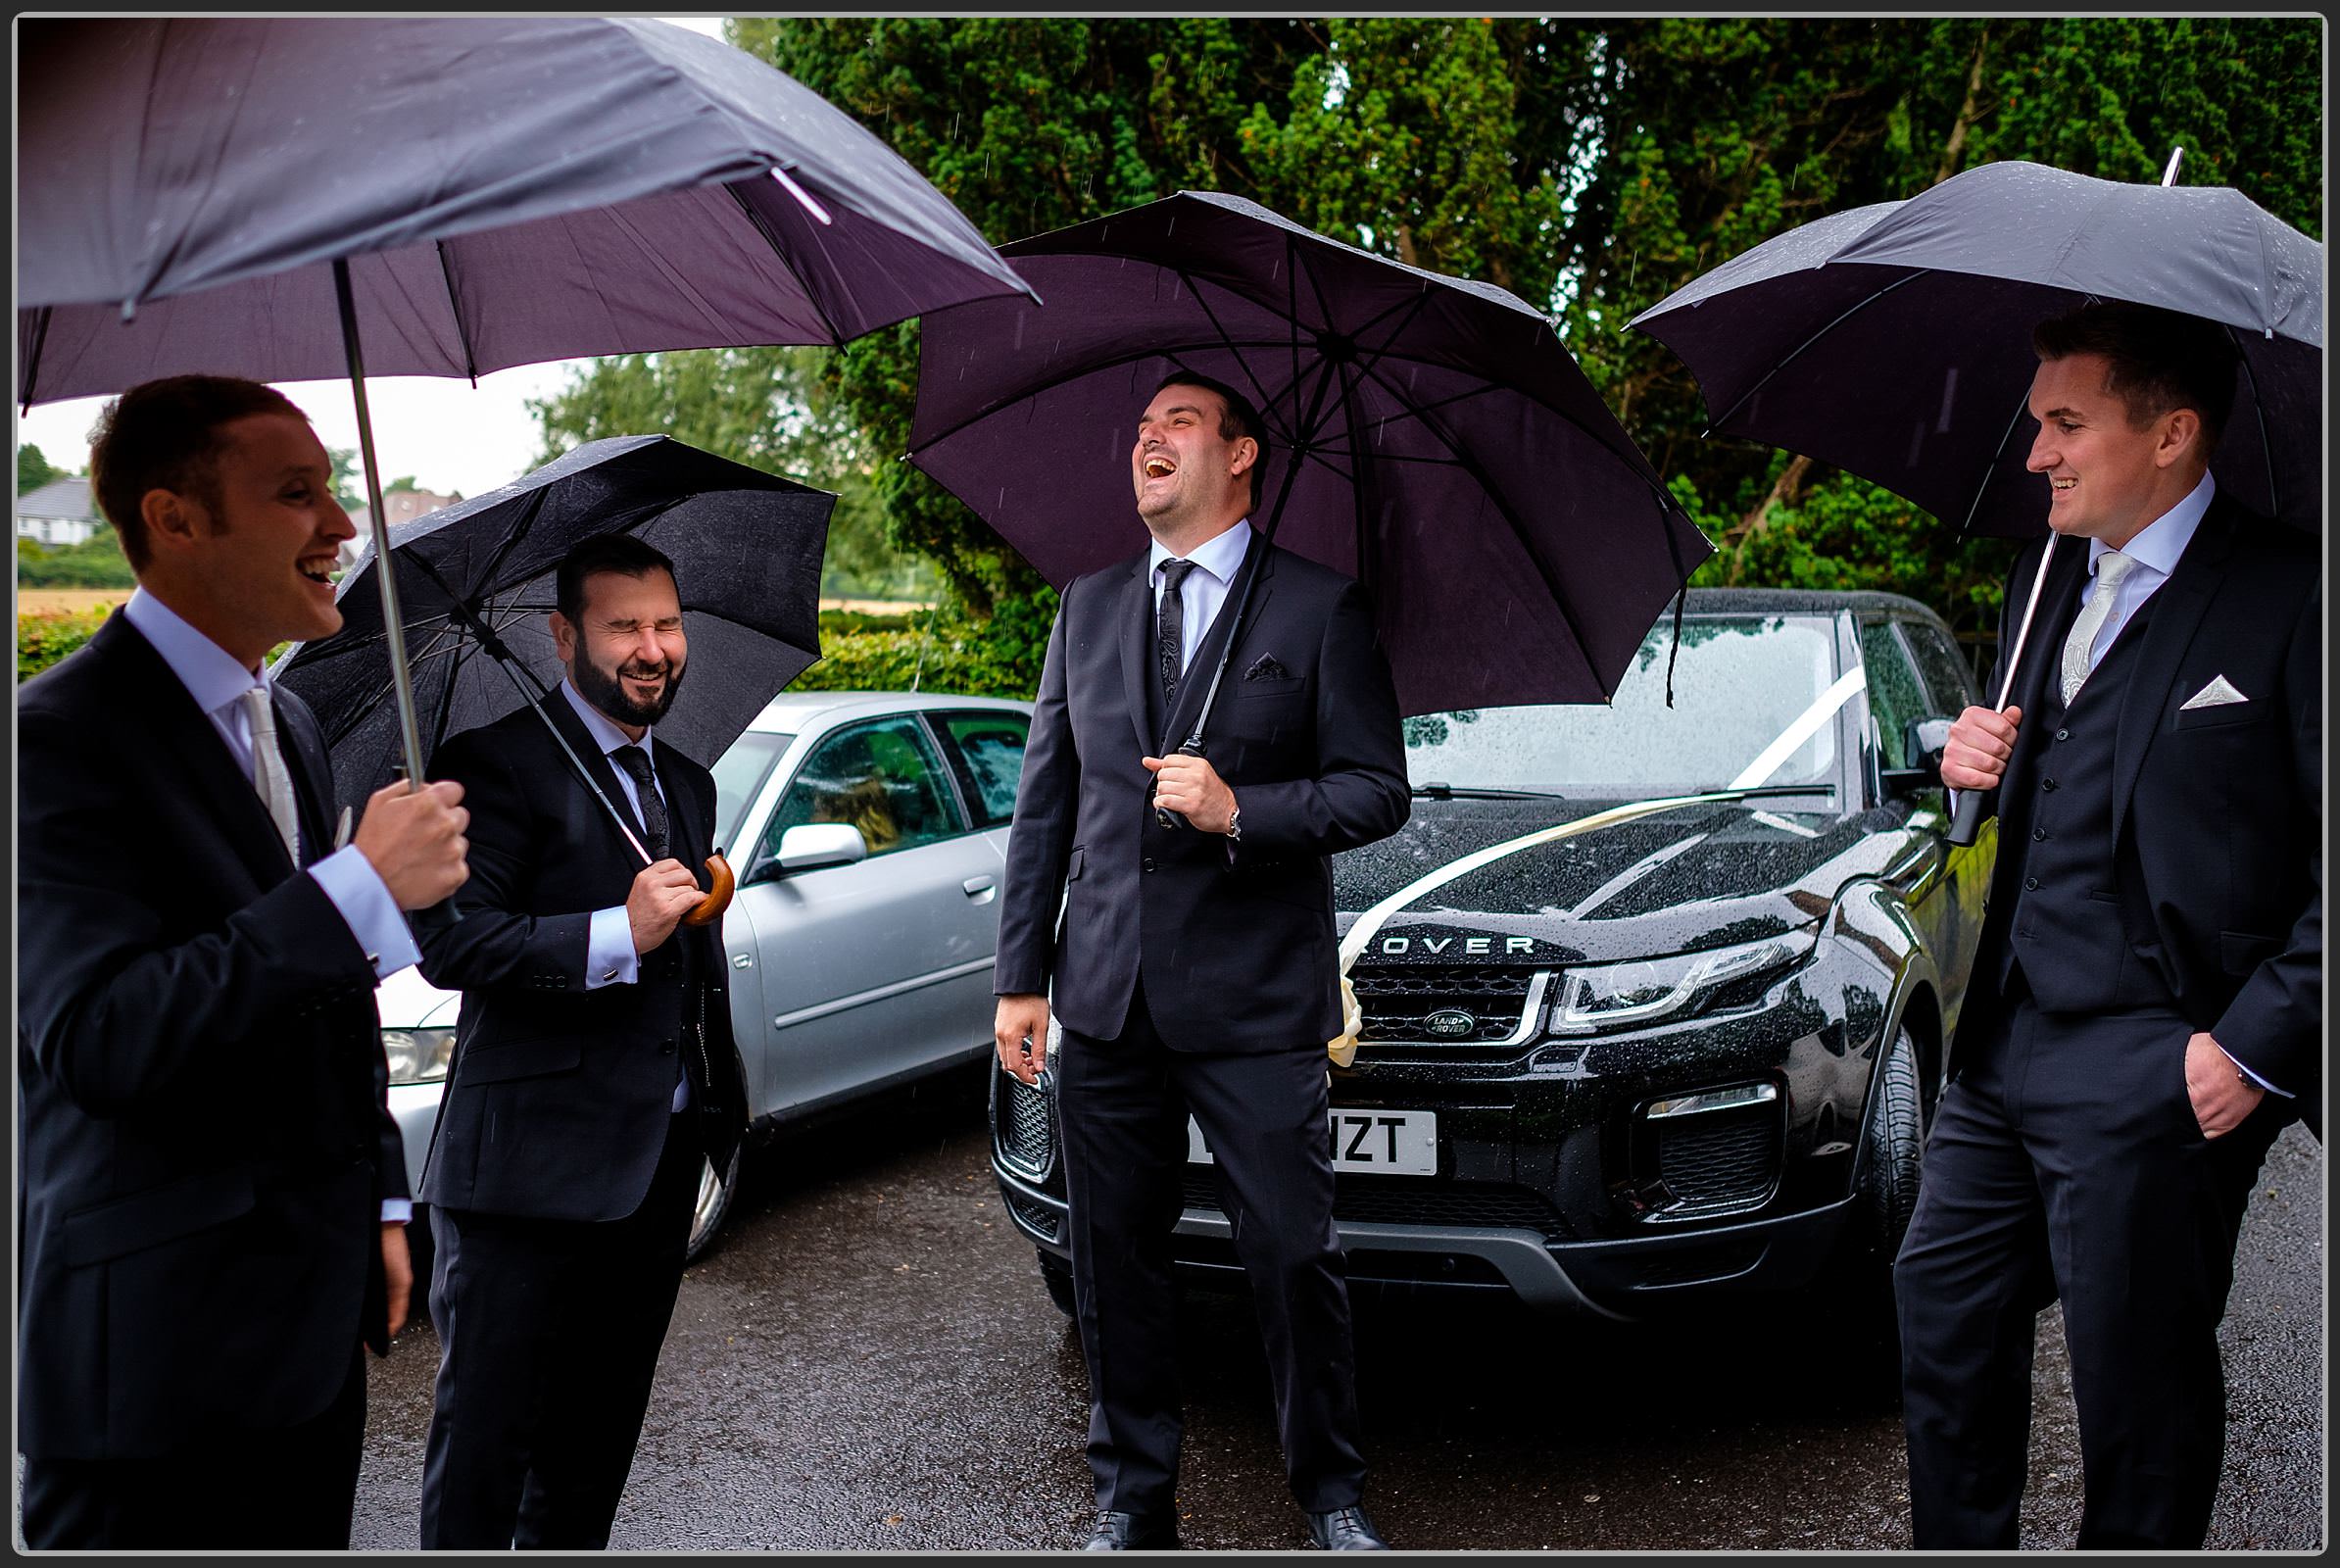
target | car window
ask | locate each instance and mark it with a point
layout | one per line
(988, 750)
(1949, 679)
(1894, 696)
(883, 777)
(739, 774)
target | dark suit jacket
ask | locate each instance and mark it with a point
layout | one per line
(559, 1101)
(203, 1128)
(2217, 810)
(1236, 956)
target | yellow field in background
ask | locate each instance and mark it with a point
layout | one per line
(54, 600)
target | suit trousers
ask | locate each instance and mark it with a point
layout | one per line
(289, 1489)
(2064, 1162)
(1123, 1104)
(549, 1338)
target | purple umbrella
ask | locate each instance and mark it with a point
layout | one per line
(1430, 436)
(246, 196)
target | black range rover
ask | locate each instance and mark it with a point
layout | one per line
(1656, 1000)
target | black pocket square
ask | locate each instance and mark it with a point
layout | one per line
(1267, 669)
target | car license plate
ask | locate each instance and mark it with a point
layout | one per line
(1386, 1142)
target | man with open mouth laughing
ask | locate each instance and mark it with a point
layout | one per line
(1194, 969)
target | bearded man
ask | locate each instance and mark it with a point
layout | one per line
(594, 1076)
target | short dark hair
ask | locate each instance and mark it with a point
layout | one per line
(165, 435)
(1241, 420)
(625, 554)
(2160, 361)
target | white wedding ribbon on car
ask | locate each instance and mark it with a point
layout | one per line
(1342, 1048)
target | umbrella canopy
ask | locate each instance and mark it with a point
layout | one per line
(1429, 436)
(1894, 340)
(747, 551)
(510, 190)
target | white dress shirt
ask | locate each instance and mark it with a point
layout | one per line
(218, 683)
(610, 955)
(1216, 562)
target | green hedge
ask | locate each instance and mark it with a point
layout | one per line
(43, 639)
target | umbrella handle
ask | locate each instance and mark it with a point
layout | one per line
(710, 909)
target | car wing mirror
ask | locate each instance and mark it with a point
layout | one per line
(809, 847)
(1923, 742)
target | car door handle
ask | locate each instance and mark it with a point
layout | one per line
(979, 888)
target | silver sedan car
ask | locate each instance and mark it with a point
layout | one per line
(868, 831)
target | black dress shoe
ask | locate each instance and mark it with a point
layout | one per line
(1345, 1530)
(1130, 1532)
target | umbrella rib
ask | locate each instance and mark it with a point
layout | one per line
(1511, 519)
(2274, 496)
(463, 333)
(40, 336)
(1215, 326)
(1991, 471)
(1860, 305)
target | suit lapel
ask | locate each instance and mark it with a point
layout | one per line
(598, 764)
(690, 835)
(2043, 651)
(311, 769)
(155, 705)
(2176, 612)
(1134, 612)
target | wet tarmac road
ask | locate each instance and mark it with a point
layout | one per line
(866, 1360)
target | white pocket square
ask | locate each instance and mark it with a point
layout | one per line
(2217, 694)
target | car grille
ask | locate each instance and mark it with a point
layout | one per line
(1395, 1002)
(1027, 1133)
(1721, 1159)
(1418, 1201)
(1039, 1217)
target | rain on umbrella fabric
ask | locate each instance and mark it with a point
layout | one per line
(746, 549)
(510, 190)
(1517, 544)
(1894, 340)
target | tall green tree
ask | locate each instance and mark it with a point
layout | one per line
(33, 470)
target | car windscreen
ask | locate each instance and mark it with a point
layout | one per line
(1742, 683)
(739, 774)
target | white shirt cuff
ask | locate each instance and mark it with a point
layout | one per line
(396, 1210)
(357, 891)
(2254, 1077)
(610, 955)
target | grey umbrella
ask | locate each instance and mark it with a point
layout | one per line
(253, 196)
(1894, 340)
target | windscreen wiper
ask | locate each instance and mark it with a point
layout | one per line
(1435, 790)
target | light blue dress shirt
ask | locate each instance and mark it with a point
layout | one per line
(1216, 562)
(610, 955)
(218, 683)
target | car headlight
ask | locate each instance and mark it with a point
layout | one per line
(418, 1056)
(1619, 995)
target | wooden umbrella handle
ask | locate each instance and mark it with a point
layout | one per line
(710, 909)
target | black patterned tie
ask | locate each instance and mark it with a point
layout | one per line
(636, 761)
(1170, 645)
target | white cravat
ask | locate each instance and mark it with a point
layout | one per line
(267, 770)
(2111, 568)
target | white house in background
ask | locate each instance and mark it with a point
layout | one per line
(60, 513)
(404, 505)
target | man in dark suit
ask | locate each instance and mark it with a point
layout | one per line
(212, 1192)
(594, 1076)
(1194, 969)
(2147, 1009)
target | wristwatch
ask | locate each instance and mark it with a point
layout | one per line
(1234, 825)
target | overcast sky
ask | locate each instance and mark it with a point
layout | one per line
(447, 434)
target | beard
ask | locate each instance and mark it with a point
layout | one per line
(603, 688)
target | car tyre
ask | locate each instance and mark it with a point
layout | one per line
(1896, 1146)
(713, 1203)
(1057, 1274)
(1861, 1286)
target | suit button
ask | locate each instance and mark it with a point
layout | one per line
(2031, 882)
(1145, 864)
(2040, 833)
(2064, 734)
(666, 1048)
(2047, 784)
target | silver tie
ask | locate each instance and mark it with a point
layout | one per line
(267, 770)
(2111, 568)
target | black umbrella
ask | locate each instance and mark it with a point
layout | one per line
(476, 581)
(1430, 436)
(242, 196)
(1894, 340)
